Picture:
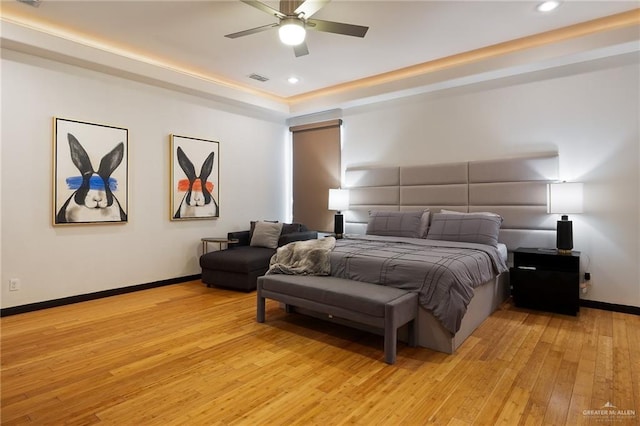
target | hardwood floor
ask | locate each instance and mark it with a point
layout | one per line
(188, 354)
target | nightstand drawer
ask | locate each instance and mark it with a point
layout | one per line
(546, 261)
(546, 290)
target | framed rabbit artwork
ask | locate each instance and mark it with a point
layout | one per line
(195, 178)
(90, 173)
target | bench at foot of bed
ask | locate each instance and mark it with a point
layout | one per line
(387, 308)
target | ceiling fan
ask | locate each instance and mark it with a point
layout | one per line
(293, 21)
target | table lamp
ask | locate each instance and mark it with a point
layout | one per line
(564, 198)
(338, 200)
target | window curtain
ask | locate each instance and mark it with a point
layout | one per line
(316, 169)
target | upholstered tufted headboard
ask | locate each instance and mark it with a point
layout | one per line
(515, 188)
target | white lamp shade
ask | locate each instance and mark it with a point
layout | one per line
(291, 32)
(564, 198)
(338, 199)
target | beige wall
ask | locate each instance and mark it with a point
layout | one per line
(56, 262)
(589, 117)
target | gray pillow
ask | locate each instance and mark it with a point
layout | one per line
(266, 234)
(470, 227)
(252, 226)
(290, 228)
(396, 224)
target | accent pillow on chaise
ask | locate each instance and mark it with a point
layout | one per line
(266, 234)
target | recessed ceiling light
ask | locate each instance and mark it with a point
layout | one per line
(293, 80)
(548, 6)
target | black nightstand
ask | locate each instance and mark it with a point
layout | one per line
(543, 279)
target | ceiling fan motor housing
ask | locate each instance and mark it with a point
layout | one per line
(294, 17)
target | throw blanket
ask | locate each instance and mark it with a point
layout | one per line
(309, 257)
(443, 273)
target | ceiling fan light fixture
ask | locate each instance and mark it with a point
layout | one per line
(291, 31)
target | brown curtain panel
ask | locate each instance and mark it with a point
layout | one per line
(316, 169)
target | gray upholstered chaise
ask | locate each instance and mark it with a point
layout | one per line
(238, 267)
(379, 306)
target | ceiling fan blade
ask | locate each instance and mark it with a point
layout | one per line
(252, 31)
(310, 7)
(265, 8)
(337, 27)
(301, 49)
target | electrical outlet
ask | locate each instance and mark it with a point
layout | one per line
(584, 288)
(14, 284)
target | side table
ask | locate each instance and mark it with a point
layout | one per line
(217, 240)
(546, 280)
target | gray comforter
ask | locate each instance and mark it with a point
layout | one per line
(443, 273)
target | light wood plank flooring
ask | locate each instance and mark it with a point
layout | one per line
(188, 354)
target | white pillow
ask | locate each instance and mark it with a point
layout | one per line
(455, 212)
(266, 234)
(424, 224)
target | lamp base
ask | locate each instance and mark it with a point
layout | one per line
(564, 236)
(338, 225)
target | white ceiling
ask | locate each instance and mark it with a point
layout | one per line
(189, 35)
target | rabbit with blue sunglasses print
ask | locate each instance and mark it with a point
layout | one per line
(93, 200)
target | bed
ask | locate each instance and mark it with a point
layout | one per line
(514, 189)
(444, 274)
